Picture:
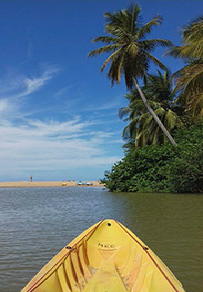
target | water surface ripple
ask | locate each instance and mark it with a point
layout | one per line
(36, 223)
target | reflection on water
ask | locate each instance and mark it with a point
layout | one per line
(37, 223)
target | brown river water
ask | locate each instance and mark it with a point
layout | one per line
(36, 223)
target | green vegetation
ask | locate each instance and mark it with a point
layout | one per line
(174, 106)
(162, 168)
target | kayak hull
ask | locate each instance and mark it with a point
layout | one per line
(105, 258)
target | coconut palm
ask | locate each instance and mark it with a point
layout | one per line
(130, 51)
(142, 126)
(189, 80)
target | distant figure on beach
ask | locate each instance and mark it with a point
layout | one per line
(31, 178)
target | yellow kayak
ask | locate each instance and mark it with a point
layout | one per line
(107, 257)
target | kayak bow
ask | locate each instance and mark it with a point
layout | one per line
(105, 258)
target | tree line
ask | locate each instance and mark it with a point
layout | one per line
(161, 103)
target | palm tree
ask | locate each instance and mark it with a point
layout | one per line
(189, 80)
(130, 51)
(142, 127)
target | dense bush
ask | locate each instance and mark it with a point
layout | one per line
(162, 168)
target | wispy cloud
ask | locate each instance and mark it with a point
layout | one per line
(20, 86)
(62, 91)
(14, 89)
(30, 144)
(33, 84)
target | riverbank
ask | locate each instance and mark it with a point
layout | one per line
(41, 184)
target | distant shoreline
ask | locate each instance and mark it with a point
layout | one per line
(41, 184)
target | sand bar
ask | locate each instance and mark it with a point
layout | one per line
(41, 184)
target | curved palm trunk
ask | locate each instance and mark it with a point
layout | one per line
(156, 118)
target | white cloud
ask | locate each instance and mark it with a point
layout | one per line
(34, 84)
(33, 145)
(39, 145)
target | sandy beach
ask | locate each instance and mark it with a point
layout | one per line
(34, 184)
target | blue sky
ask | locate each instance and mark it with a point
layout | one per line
(58, 113)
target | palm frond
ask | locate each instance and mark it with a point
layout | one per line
(131, 127)
(193, 50)
(156, 61)
(106, 39)
(117, 23)
(110, 58)
(115, 70)
(135, 11)
(175, 51)
(192, 43)
(147, 28)
(151, 44)
(124, 111)
(194, 30)
(105, 49)
(190, 78)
